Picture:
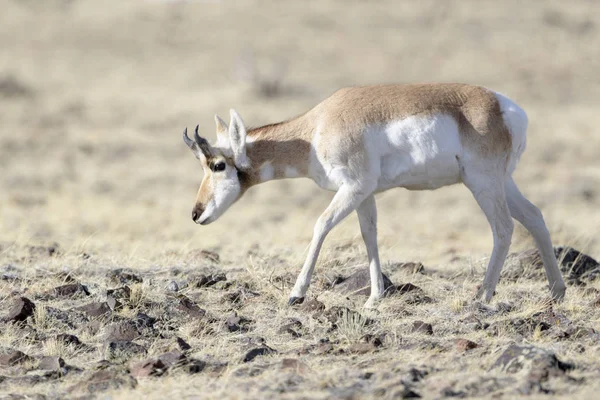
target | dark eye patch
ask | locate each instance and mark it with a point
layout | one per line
(218, 166)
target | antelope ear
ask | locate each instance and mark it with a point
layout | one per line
(222, 133)
(237, 138)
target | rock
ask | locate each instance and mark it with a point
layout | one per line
(51, 363)
(202, 280)
(239, 296)
(235, 323)
(113, 303)
(463, 345)
(422, 327)
(122, 293)
(360, 283)
(104, 380)
(405, 392)
(195, 366)
(173, 286)
(96, 309)
(123, 276)
(144, 321)
(258, 351)
(70, 290)
(21, 309)
(183, 345)
(575, 266)
(472, 322)
(13, 357)
(68, 340)
(417, 297)
(189, 307)
(151, 367)
(406, 288)
(291, 328)
(519, 357)
(122, 350)
(375, 340)
(312, 306)
(323, 347)
(172, 358)
(122, 331)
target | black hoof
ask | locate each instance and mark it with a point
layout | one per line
(295, 300)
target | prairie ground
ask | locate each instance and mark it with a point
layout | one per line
(97, 188)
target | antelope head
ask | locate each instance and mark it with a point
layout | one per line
(223, 165)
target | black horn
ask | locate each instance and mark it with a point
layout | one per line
(187, 140)
(203, 144)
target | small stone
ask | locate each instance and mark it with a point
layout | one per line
(183, 345)
(51, 363)
(95, 309)
(517, 357)
(173, 287)
(122, 293)
(291, 328)
(202, 280)
(123, 350)
(323, 348)
(172, 358)
(463, 345)
(151, 367)
(21, 309)
(189, 307)
(422, 327)
(256, 352)
(68, 340)
(113, 303)
(195, 366)
(406, 288)
(235, 323)
(70, 290)
(312, 306)
(123, 276)
(375, 340)
(13, 357)
(103, 380)
(359, 283)
(144, 321)
(122, 331)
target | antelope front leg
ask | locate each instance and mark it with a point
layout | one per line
(344, 202)
(367, 217)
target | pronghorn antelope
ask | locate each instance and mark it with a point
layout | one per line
(365, 140)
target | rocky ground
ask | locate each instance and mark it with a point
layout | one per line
(77, 326)
(136, 301)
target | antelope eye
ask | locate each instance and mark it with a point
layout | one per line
(220, 166)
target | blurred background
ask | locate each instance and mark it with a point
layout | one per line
(94, 97)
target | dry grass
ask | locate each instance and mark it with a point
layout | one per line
(92, 103)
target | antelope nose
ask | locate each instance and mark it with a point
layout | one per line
(197, 213)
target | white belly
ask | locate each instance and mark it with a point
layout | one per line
(418, 153)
